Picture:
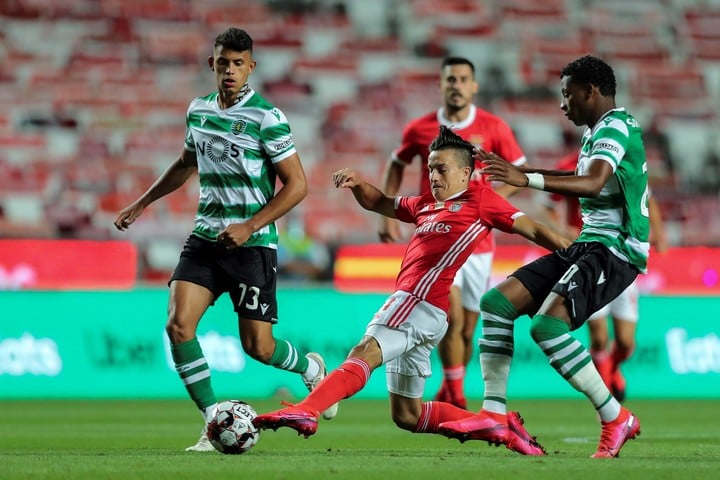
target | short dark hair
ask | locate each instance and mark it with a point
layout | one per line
(235, 39)
(593, 71)
(457, 61)
(447, 139)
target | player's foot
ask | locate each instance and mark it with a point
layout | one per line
(203, 444)
(331, 412)
(616, 433)
(302, 421)
(476, 427)
(617, 386)
(520, 440)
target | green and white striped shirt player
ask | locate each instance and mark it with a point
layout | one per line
(619, 217)
(236, 149)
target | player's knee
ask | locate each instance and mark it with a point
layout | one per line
(495, 303)
(598, 344)
(468, 339)
(177, 330)
(258, 349)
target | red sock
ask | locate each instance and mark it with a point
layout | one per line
(442, 394)
(454, 380)
(435, 413)
(346, 381)
(618, 355)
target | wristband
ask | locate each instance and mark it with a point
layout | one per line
(535, 180)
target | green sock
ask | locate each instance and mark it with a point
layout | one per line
(496, 348)
(193, 369)
(286, 357)
(566, 354)
(572, 360)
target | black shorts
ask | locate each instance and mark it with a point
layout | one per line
(249, 274)
(587, 275)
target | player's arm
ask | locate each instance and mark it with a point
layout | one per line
(294, 188)
(171, 179)
(368, 196)
(657, 229)
(556, 181)
(507, 191)
(540, 234)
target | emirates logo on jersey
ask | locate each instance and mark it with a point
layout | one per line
(433, 227)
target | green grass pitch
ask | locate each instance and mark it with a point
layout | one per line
(101, 439)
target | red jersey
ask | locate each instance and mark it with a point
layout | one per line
(481, 128)
(573, 217)
(445, 235)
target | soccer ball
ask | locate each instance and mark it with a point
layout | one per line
(231, 430)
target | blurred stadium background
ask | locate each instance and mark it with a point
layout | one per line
(94, 94)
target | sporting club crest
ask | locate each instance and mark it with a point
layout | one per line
(238, 127)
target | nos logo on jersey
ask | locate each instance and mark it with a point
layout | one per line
(238, 127)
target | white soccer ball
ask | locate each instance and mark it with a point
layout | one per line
(231, 430)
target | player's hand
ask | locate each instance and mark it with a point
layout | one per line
(346, 178)
(128, 215)
(498, 170)
(389, 231)
(235, 235)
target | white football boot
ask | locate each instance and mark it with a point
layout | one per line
(203, 444)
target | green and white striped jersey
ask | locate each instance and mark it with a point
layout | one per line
(619, 217)
(236, 149)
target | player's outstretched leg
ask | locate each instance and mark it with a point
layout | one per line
(616, 432)
(520, 440)
(313, 382)
(303, 420)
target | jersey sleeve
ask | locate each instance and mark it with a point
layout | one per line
(506, 145)
(406, 208)
(409, 146)
(609, 142)
(275, 135)
(497, 212)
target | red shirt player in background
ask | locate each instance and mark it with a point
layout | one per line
(450, 221)
(492, 134)
(624, 310)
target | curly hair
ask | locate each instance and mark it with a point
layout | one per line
(593, 71)
(447, 139)
(234, 39)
